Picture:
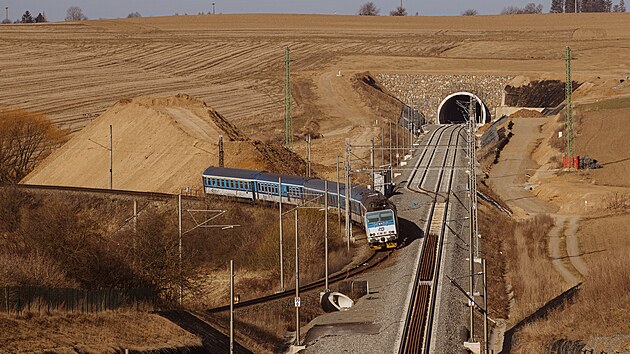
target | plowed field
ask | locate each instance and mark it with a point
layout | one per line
(234, 63)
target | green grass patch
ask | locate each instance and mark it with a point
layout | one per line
(615, 103)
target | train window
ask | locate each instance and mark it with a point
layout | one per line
(372, 218)
(386, 216)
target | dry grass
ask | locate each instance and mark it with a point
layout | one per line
(496, 228)
(530, 273)
(91, 333)
(619, 202)
(263, 328)
(148, 256)
(600, 309)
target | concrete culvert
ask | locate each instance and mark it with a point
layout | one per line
(335, 301)
(450, 112)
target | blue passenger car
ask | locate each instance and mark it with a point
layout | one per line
(297, 190)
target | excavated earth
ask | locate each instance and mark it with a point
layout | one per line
(159, 144)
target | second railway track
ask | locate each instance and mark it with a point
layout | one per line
(418, 324)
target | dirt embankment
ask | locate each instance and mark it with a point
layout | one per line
(375, 96)
(158, 144)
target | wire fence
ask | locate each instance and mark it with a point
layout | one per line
(32, 299)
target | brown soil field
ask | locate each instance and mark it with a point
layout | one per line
(74, 71)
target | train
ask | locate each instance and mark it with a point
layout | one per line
(368, 208)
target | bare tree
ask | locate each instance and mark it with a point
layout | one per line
(25, 139)
(75, 13)
(134, 15)
(399, 11)
(470, 12)
(369, 9)
(530, 8)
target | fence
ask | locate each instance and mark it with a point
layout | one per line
(32, 299)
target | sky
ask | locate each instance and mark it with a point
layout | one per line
(55, 10)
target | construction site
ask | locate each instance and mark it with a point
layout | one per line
(139, 108)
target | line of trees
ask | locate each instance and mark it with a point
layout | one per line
(569, 6)
(530, 8)
(73, 13)
(370, 9)
(27, 17)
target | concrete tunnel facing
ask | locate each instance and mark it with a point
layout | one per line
(450, 112)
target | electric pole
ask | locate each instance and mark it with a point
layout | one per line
(382, 147)
(221, 152)
(213, 9)
(308, 155)
(338, 196)
(231, 306)
(281, 237)
(179, 216)
(326, 231)
(111, 158)
(390, 143)
(297, 281)
(569, 145)
(373, 179)
(288, 129)
(471, 265)
(347, 190)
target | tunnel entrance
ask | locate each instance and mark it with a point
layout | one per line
(452, 112)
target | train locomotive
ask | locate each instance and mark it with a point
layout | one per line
(367, 207)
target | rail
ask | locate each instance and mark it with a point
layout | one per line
(418, 324)
(374, 260)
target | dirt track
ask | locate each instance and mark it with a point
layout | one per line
(508, 178)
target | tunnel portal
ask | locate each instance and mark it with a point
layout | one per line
(450, 112)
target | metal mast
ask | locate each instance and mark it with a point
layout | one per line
(221, 152)
(568, 121)
(288, 129)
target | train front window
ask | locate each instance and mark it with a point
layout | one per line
(386, 216)
(372, 218)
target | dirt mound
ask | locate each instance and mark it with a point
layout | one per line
(526, 113)
(159, 144)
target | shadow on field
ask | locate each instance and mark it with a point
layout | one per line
(212, 340)
(538, 314)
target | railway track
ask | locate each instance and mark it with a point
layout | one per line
(373, 261)
(418, 324)
(101, 191)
